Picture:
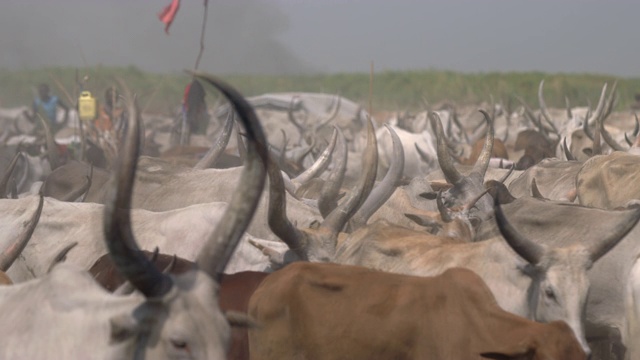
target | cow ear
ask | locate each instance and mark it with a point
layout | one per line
(123, 328)
(238, 319)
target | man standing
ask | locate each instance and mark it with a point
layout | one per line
(46, 105)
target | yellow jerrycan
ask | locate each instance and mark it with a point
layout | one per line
(87, 106)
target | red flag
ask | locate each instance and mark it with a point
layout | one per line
(169, 13)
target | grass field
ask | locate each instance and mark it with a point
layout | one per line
(392, 90)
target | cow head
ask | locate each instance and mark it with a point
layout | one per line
(465, 187)
(559, 282)
(319, 244)
(179, 316)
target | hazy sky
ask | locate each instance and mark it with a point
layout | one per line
(290, 36)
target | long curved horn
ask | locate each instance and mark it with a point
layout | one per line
(585, 127)
(219, 145)
(567, 152)
(444, 158)
(337, 219)
(383, 191)
(292, 118)
(11, 254)
(74, 194)
(621, 230)
(328, 199)
(279, 223)
(607, 136)
(52, 149)
(506, 176)
(482, 163)
(7, 175)
(543, 106)
(319, 165)
(61, 255)
(626, 138)
(468, 206)
(527, 249)
(222, 243)
(636, 130)
(299, 159)
(124, 251)
(600, 108)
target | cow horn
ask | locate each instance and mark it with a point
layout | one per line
(120, 241)
(605, 134)
(333, 115)
(7, 175)
(527, 249)
(443, 210)
(621, 230)
(76, 193)
(586, 129)
(61, 255)
(600, 108)
(328, 199)
(535, 192)
(383, 191)
(319, 165)
(637, 128)
(222, 243)
(218, 146)
(89, 181)
(569, 113)
(444, 158)
(11, 254)
(626, 138)
(336, 220)
(291, 117)
(52, 149)
(506, 176)
(238, 319)
(543, 106)
(242, 149)
(473, 201)
(567, 152)
(482, 163)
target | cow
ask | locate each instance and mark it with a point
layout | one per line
(172, 316)
(609, 181)
(234, 293)
(329, 311)
(556, 179)
(538, 282)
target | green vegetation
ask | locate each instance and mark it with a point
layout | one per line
(393, 90)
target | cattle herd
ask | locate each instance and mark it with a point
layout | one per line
(303, 227)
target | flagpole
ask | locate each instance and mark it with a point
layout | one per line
(204, 25)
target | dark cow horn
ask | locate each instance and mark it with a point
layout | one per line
(124, 251)
(619, 232)
(567, 152)
(331, 188)
(535, 192)
(473, 201)
(383, 191)
(7, 175)
(626, 138)
(527, 249)
(218, 146)
(485, 156)
(222, 243)
(636, 129)
(444, 158)
(336, 220)
(506, 176)
(11, 254)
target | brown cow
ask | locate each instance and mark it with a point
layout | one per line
(234, 294)
(499, 151)
(536, 148)
(329, 311)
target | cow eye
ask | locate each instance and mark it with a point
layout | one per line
(549, 293)
(179, 344)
